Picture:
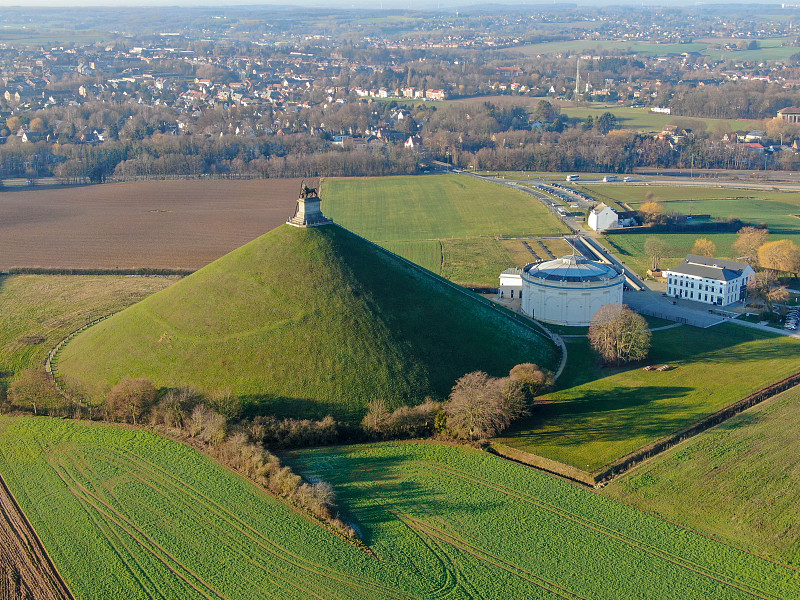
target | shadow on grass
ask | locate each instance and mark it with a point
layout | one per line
(295, 408)
(373, 491)
(607, 415)
(683, 345)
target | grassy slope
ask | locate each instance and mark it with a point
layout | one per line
(126, 513)
(460, 213)
(38, 311)
(304, 322)
(735, 482)
(597, 415)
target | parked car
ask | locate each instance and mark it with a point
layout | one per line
(627, 179)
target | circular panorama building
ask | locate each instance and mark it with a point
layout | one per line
(569, 290)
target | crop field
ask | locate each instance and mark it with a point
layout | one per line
(38, 311)
(735, 482)
(124, 512)
(464, 215)
(597, 415)
(630, 247)
(25, 568)
(489, 528)
(157, 224)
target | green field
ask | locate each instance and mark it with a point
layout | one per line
(630, 247)
(736, 482)
(777, 210)
(641, 119)
(597, 415)
(126, 513)
(40, 310)
(503, 531)
(304, 322)
(408, 215)
(770, 48)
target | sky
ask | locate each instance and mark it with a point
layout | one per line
(411, 4)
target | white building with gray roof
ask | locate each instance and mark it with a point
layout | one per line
(709, 280)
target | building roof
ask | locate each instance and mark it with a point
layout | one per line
(601, 207)
(710, 268)
(571, 268)
(790, 110)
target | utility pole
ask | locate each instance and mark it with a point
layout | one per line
(577, 79)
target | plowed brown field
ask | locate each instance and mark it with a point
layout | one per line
(25, 568)
(154, 224)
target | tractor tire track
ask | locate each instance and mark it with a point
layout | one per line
(641, 545)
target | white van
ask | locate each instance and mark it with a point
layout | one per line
(573, 177)
(608, 178)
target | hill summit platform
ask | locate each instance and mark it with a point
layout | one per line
(308, 212)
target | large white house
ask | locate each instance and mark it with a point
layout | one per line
(709, 280)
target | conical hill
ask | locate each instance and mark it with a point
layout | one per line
(304, 323)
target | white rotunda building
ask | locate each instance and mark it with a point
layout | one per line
(568, 290)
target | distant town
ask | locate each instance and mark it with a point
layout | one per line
(139, 93)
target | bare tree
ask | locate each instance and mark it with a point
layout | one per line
(481, 406)
(763, 287)
(704, 247)
(33, 389)
(532, 377)
(657, 248)
(749, 241)
(619, 335)
(131, 398)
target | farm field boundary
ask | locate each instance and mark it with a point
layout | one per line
(623, 464)
(26, 570)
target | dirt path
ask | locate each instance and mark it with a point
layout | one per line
(25, 568)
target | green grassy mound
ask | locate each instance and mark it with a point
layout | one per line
(303, 322)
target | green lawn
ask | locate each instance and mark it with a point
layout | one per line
(642, 119)
(126, 513)
(735, 482)
(38, 311)
(304, 323)
(630, 247)
(596, 415)
(408, 215)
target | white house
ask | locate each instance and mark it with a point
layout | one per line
(709, 280)
(603, 217)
